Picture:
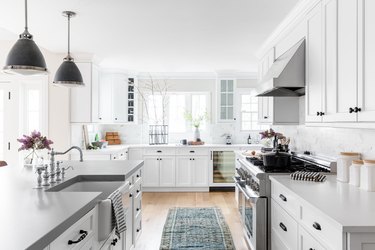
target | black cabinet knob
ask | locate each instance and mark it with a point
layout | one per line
(266, 117)
(317, 226)
(138, 230)
(356, 109)
(100, 118)
(351, 110)
(321, 113)
(138, 209)
(282, 197)
(116, 119)
(283, 227)
(317, 113)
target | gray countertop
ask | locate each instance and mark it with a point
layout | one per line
(349, 206)
(32, 218)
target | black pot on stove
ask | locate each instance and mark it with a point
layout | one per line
(277, 159)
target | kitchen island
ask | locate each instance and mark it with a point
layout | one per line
(33, 218)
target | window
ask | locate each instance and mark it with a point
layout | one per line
(176, 104)
(249, 113)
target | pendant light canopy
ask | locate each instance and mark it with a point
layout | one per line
(25, 58)
(68, 74)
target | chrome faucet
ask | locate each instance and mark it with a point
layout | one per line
(53, 153)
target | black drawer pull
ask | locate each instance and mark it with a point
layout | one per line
(159, 151)
(138, 230)
(138, 176)
(138, 190)
(192, 151)
(138, 209)
(130, 195)
(114, 242)
(282, 197)
(317, 226)
(351, 110)
(311, 248)
(81, 238)
(283, 227)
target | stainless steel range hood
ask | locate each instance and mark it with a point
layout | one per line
(286, 77)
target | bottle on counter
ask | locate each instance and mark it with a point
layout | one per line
(249, 139)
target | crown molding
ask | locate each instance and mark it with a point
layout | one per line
(196, 75)
(297, 14)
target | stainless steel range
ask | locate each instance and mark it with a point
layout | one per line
(253, 188)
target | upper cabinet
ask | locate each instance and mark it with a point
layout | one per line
(314, 69)
(339, 63)
(226, 91)
(81, 103)
(105, 98)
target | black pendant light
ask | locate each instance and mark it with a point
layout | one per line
(68, 74)
(25, 58)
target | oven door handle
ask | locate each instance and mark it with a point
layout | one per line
(243, 191)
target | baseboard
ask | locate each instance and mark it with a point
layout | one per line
(175, 189)
(222, 189)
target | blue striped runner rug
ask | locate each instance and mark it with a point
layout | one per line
(196, 228)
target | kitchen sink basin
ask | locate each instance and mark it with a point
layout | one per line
(90, 183)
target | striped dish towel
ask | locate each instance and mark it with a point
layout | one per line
(118, 211)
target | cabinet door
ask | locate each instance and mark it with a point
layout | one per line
(347, 60)
(265, 107)
(183, 171)
(95, 103)
(200, 172)
(119, 102)
(314, 72)
(366, 54)
(151, 172)
(80, 98)
(330, 60)
(167, 172)
(306, 241)
(105, 97)
(226, 100)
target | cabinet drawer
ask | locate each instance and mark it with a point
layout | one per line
(159, 151)
(138, 205)
(276, 242)
(307, 242)
(321, 227)
(284, 226)
(137, 227)
(285, 199)
(86, 223)
(135, 178)
(192, 151)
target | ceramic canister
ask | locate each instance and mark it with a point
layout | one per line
(344, 161)
(368, 175)
(354, 172)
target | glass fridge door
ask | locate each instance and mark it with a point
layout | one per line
(223, 166)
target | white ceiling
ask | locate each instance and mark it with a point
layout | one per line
(154, 35)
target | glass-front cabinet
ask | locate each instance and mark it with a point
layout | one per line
(223, 168)
(226, 100)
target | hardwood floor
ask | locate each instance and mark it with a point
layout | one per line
(156, 205)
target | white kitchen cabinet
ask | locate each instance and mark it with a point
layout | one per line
(314, 68)
(81, 108)
(226, 92)
(265, 110)
(151, 171)
(307, 242)
(103, 93)
(167, 171)
(366, 62)
(183, 171)
(200, 171)
(135, 154)
(119, 98)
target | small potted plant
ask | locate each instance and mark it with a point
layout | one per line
(196, 122)
(34, 143)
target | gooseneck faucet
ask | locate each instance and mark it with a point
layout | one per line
(53, 153)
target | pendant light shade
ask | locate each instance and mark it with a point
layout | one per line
(68, 74)
(25, 57)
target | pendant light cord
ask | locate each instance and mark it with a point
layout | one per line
(69, 35)
(26, 24)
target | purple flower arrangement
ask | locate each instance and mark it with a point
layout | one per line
(35, 141)
(268, 134)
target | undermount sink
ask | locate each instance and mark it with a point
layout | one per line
(90, 183)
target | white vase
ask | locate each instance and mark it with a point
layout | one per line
(197, 134)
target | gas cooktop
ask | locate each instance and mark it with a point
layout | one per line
(295, 165)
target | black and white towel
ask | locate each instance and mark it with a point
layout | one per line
(118, 217)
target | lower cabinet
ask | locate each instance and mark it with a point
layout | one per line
(151, 171)
(167, 168)
(307, 242)
(192, 171)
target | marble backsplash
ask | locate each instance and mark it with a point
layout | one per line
(330, 141)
